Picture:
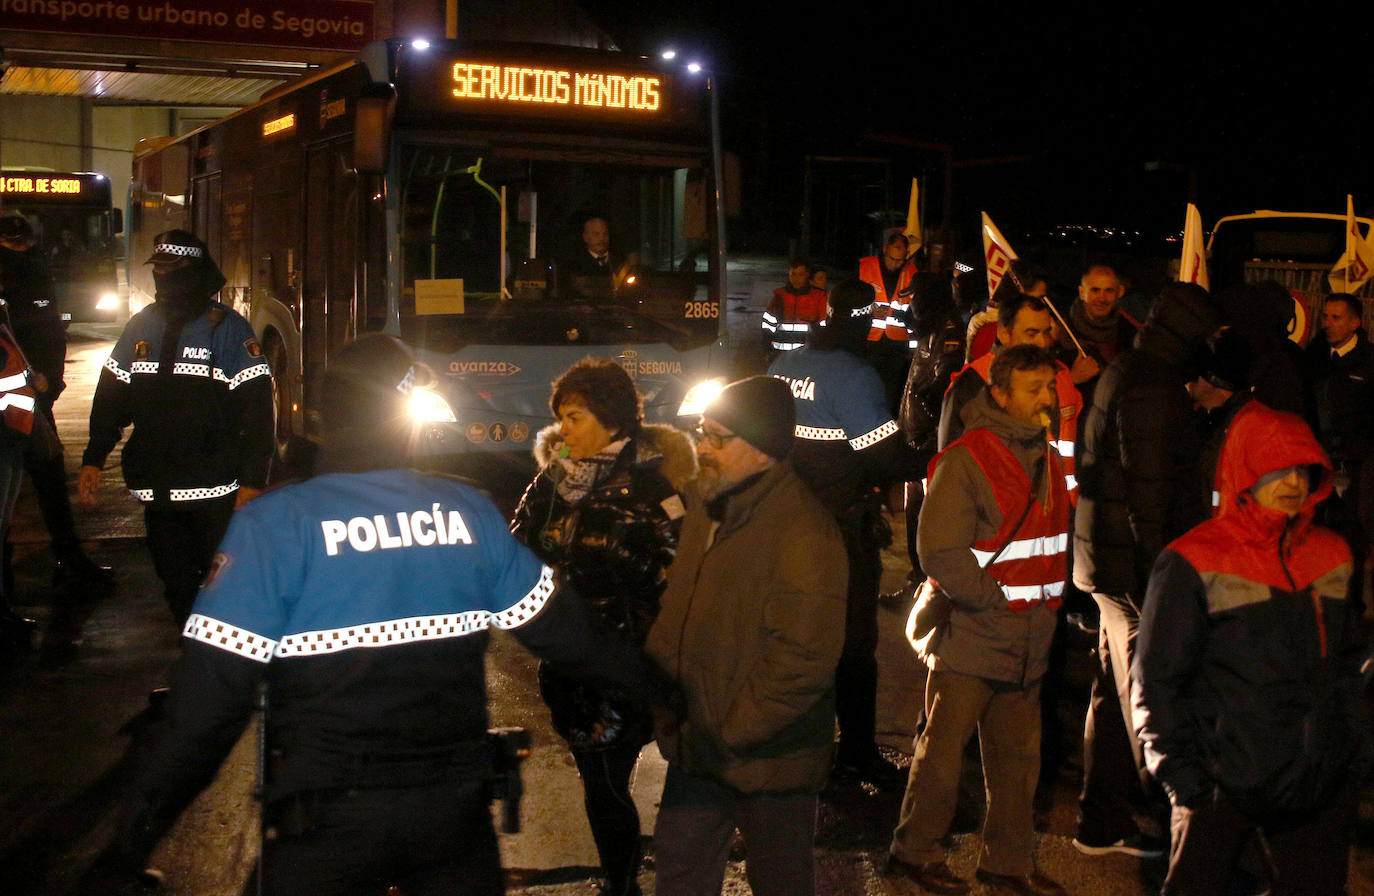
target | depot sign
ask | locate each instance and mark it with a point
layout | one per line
(314, 25)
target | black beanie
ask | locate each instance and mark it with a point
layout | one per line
(759, 410)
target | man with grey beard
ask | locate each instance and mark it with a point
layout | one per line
(751, 628)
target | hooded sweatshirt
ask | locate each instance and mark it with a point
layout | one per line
(986, 635)
(1246, 669)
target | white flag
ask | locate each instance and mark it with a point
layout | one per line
(997, 252)
(1192, 267)
(913, 221)
(1356, 264)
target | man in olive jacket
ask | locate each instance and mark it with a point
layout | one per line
(751, 627)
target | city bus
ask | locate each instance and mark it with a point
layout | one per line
(439, 191)
(78, 235)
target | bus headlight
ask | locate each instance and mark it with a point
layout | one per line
(428, 406)
(699, 396)
(108, 302)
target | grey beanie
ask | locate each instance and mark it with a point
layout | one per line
(759, 410)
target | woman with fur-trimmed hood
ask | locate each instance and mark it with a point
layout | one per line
(605, 511)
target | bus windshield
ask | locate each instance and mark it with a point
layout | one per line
(652, 289)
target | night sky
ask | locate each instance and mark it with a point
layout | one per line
(1266, 108)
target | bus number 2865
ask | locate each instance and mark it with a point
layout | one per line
(700, 310)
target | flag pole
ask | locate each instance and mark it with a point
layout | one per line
(1065, 324)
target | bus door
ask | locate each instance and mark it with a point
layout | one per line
(331, 275)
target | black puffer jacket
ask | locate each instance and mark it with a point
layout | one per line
(1137, 469)
(613, 546)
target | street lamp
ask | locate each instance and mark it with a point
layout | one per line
(717, 169)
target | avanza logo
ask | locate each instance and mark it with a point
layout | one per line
(483, 368)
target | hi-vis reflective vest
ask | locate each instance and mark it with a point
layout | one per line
(788, 318)
(1033, 566)
(17, 396)
(889, 312)
(1070, 406)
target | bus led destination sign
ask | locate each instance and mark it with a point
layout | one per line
(40, 186)
(488, 82)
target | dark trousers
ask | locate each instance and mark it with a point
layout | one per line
(856, 677)
(1007, 720)
(696, 825)
(1114, 773)
(428, 841)
(183, 541)
(1308, 854)
(611, 812)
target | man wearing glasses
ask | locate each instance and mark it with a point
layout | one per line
(751, 627)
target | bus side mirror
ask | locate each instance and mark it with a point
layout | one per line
(372, 128)
(117, 221)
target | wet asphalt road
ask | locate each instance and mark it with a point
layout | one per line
(63, 703)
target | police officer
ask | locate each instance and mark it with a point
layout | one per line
(364, 597)
(848, 448)
(37, 325)
(189, 375)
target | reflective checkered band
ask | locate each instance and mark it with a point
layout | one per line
(229, 637)
(203, 494)
(1025, 548)
(529, 606)
(817, 434)
(184, 368)
(143, 367)
(188, 494)
(873, 437)
(120, 374)
(174, 249)
(385, 634)
(861, 312)
(419, 628)
(250, 373)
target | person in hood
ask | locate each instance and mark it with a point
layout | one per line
(1138, 476)
(993, 535)
(605, 510)
(1246, 685)
(188, 374)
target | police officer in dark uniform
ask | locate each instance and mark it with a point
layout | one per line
(364, 597)
(189, 375)
(36, 323)
(848, 450)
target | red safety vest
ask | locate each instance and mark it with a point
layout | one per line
(1070, 406)
(1033, 566)
(888, 311)
(789, 316)
(17, 396)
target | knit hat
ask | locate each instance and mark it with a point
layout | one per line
(177, 245)
(759, 410)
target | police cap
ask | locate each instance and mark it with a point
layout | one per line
(172, 246)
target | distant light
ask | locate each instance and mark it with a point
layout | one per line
(419, 44)
(694, 67)
(669, 54)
